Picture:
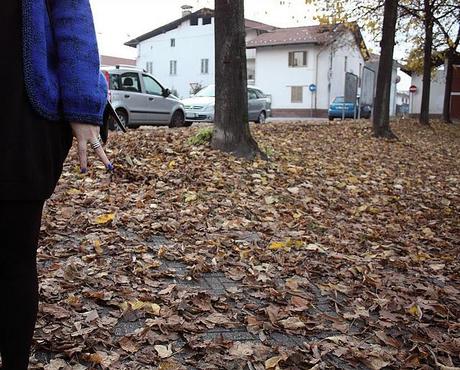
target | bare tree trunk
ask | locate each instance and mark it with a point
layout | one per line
(427, 51)
(381, 118)
(231, 128)
(448, 89)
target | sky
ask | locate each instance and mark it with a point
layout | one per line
(118, 21)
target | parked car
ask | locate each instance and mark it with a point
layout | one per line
(339, 109)
(139, 99)
(200, 107)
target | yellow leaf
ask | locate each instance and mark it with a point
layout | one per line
(98, 247)
(104, 219)
(73, 192)
(277, 245)
(416, 311)
(272, 362)
(171, 164)
(191, 196)
(136, 305)
(286, 244)
(353, 180)
(245, 254)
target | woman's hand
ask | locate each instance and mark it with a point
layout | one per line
(85, 134)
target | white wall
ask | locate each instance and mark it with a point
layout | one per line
(346, 57)
(193, 43)
(402, 98)
(438, 84)
(275, 77)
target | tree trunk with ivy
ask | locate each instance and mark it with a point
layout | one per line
(381, 118)
(231, 127)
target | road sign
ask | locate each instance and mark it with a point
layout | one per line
(312, 87)
(413, 89)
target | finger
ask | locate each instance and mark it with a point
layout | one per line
(103, 157)
(83, 156)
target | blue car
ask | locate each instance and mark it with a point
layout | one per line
(339, 109)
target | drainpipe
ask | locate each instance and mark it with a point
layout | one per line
(316, 76)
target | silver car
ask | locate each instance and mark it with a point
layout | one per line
(200, 107)
(139, 99)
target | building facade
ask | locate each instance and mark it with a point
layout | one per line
(284, 62)
(181, 54)
(291, 61)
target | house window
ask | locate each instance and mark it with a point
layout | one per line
(194, 21)
(298, 59)
(204, 66)
(149, 67)
(173, 67)
(296, 94)
(173, 43)
(207, 20)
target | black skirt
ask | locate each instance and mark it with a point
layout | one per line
(32, 149)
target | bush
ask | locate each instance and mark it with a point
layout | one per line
(202, 137)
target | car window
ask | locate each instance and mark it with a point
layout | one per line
(252, 94)
(208, 92)
(259, 94)
(130, 82)
(339, 99)
(151, 86)
(115, 82)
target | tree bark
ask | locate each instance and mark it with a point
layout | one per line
(381, 118)
(448, 89)
(231, 127)
(427, 64)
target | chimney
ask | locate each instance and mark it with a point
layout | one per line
(186, 10)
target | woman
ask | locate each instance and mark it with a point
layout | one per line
(51, 88)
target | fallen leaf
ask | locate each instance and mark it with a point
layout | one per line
(104, 219)
(163, 351)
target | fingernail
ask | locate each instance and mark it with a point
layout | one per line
(83, 170)
(110, 167)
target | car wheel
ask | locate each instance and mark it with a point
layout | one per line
(123, 117)
(262, 118)
(331, 118)
(177, 120)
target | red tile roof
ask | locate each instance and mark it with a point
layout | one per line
(113, 61)
(297, 35)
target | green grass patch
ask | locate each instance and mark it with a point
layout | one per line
(202, 137)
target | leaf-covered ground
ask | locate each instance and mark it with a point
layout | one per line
(340, 252)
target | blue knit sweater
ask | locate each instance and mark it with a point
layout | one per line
(61, 61)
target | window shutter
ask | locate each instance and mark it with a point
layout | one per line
(304, 58)
(291, 59)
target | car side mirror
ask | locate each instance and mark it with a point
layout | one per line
(166, 93)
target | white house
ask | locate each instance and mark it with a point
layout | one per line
(402, 98)
(289, 60)
(181, 53)
(373, 64)
(437, 90)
